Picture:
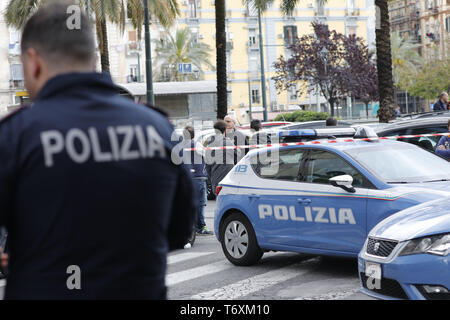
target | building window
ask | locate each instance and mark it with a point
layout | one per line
(255, 96)
(292, 93)
(17, 79)
(320, 7)
(192, 9)
(290, 35)
(251, 11)
(351, 30)
(447, 24)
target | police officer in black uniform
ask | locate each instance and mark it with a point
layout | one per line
(88, 193)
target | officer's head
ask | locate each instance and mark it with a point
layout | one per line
(331, 122)
(57, 39)
(220, 126)
(256, 125)
(189, 133)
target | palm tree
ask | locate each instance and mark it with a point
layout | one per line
(405, 57)
(181, 48)
(115, 11)
(221, 60)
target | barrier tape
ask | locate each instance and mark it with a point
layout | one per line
(316, 142)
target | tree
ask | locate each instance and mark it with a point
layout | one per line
(115, 11)
(181, 48)
(221, 60)
(360, 80)
(431, 80)
(307, 64)
(384, 59)
(405, 58)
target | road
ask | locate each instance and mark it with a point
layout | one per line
(203, 272)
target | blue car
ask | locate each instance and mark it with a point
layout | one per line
(321, 198)
(406, 256)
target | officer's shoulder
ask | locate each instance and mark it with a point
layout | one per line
(13, 114)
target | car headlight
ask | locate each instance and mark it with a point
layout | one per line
(439, 245)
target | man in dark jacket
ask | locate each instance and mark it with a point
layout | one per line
(238, 138)
(443, 147)
(258, 137)
(220, 161)
(441, 104)
(196, 163)
(88, 193)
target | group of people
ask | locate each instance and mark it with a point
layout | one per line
(214, 164)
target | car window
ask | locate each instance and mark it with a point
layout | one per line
(427, 143)
(285, 166)
(401, 163)
(395, 133)
(322, 165)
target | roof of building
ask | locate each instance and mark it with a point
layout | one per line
(171, 88)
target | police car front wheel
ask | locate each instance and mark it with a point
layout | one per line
(239, 241)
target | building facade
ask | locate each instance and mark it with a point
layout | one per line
(425, 23)
(345, 16)
(127, 54)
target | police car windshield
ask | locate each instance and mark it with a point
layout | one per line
(401, 163)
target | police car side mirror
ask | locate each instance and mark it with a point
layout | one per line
(345, 182)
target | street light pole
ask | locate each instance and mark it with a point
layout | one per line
(148, 56)
(263, 75)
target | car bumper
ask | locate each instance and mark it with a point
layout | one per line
(403, 277)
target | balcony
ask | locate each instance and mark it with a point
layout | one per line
(352, 12)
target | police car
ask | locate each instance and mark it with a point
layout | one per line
(406, 255)
(322, 197)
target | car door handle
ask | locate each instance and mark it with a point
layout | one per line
(254, 196)
(304, 201)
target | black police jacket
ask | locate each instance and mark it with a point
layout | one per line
(89, 194)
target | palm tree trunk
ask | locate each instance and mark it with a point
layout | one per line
(105, 48)
(221, 60)
(384, 64)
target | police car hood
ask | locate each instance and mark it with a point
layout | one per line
(426, 219)
(438, 189)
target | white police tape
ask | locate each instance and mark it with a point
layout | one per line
(315, 142)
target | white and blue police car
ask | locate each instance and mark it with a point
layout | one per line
(321, 198)
(407, 255)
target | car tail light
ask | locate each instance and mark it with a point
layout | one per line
(218, 189)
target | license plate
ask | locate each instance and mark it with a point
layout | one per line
(373, 270)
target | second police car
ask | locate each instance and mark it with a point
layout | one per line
(406, 256)
(321, 198)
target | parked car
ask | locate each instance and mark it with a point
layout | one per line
(417, 127)
(265, 125)
(406, 256)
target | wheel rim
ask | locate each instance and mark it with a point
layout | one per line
(236, 239)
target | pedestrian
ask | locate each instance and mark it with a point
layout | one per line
(398, 113)
(441, 104)
(88, 193)
(238, 138)
(197, 166)
(3, 253)
(443, 147)
(219, 162)
(331, 122)
(258, 137)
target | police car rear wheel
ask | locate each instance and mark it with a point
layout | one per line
(239, 241)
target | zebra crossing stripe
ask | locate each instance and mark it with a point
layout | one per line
(251, 285)
(186, 256)
(194, 273)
